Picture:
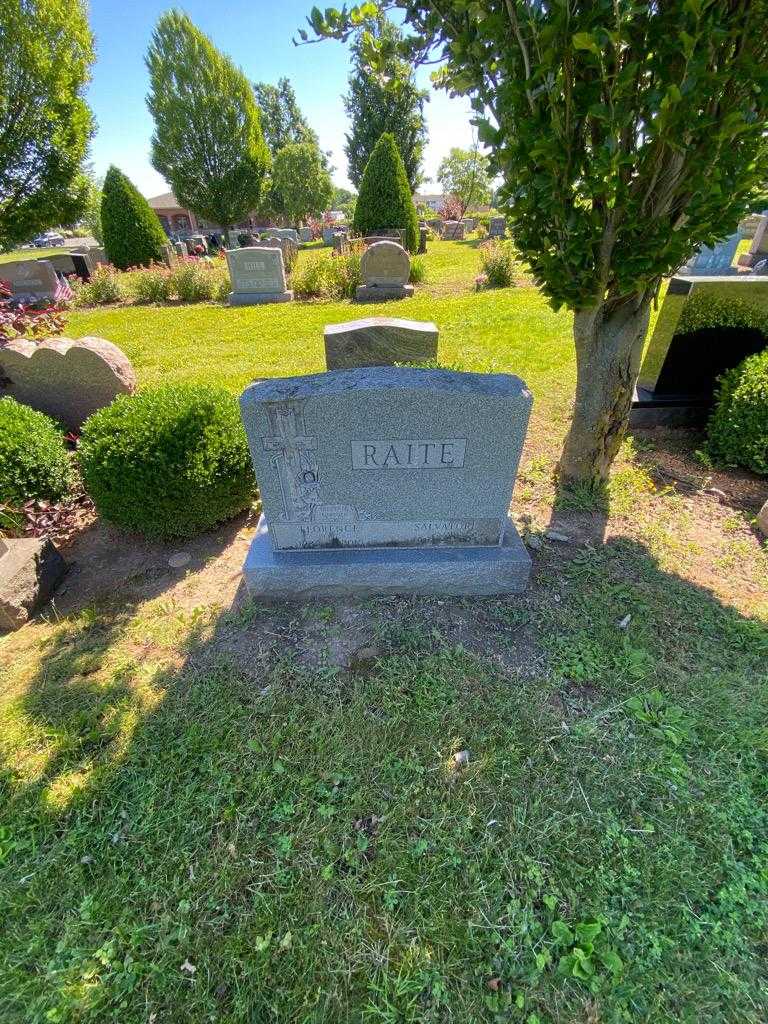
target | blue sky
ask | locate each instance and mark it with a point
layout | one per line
(257, 35)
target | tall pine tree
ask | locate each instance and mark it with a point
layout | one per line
(385, 199)
(384, 100)
(208, 141)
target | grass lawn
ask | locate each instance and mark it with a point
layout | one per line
(216, 810)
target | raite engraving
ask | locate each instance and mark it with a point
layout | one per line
(442, 453)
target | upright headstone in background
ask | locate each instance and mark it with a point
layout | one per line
(758, 250)
(66, 379)
(497, 227)
(385, 268)
(470, 223)
(305, 234)
(379, 341)
(453, 230)
(437, 224)
(676, 384)
(290, 233)
(76, 263)
(257, 275)
(423, 229)
(386, 480)
(714, 260)
(180, 250)
(33, 280)
(287, 247)
(169, 256)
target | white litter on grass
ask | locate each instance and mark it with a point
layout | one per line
(179, 559)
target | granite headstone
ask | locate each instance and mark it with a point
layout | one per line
(680, 367)
(30, 279)
(379, 341)
(386, 480)
(385, 268)
(66, 379)
(257, 274)
(497, 227)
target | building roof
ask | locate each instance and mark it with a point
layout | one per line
(167, 201)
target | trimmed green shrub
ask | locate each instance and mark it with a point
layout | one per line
(385, 199)
(133, 234)
(34, 461)
(738, 427)
(168, 462)
(705, 310)
(151, 284)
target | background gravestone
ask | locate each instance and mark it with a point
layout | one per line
(379, 341)
(66, 379)
(497, 227)
(385, 268)
(453, 230)
(257, 274)
(386, 480)
(290, 233)
(717, 259)
(30, 279)
(305, 234)
(287, 247)
(679, 371)
(758, 249)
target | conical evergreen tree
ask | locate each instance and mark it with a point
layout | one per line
(133, 234)
(385, 199)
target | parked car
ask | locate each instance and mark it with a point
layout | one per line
(48, 240)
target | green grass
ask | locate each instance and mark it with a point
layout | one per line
(203, 817)
(30, 254)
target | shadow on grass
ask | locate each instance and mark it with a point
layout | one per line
(249, 844)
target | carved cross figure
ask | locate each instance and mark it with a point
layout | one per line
(296, 466)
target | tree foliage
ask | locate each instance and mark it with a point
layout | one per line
(133, 234)
(301, 180)
(626, 135)
(384, 99)
(464, 174)
(46, 50)
(282, 121)
(208, 141)
(385, 199)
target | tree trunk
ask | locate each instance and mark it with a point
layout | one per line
(609, 342)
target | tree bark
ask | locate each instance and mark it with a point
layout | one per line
(609, 342)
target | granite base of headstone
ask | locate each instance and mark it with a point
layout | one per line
(379, 341)
(30, 571)
(68, 380)
(386, 480)
(385, 268)
(257, 274)
(678, 376)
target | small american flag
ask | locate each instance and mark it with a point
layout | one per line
(63, 291)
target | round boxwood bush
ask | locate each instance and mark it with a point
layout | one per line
(168, 462)
(34, 461)
(738, 428)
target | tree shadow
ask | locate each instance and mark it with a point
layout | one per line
(157, 833)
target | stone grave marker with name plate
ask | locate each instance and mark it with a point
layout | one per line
(257, 274)
(379, 341)
(386, 480)
(453, 230)
(385, 268)
(30, 279)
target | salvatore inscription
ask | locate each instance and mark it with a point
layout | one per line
(445, 453)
